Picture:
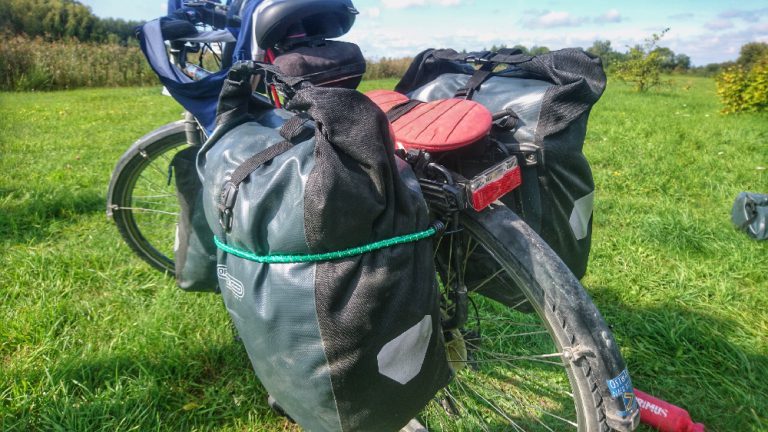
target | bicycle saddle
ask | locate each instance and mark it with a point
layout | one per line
(441, 125)
(278, 20)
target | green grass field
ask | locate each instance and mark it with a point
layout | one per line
(92, 339)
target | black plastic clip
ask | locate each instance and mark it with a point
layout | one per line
(226, 204)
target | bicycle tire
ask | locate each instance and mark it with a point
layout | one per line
(145, 166)
(530, 272)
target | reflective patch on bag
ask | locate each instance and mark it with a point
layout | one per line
(582, 212)
(233, 285)
(176, 241)
(402, 357)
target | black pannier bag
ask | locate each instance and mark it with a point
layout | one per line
(549, 98)
(324, 63)
(325, 262)
(194, 250)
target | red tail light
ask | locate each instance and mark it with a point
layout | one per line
(494, 183)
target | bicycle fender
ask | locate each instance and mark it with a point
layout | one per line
(138, 146)
(563, 294)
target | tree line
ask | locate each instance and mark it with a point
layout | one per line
(668, 60)
(62, 19)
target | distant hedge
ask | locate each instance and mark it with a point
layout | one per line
(28, 64)
(387, 68)
(35, 64)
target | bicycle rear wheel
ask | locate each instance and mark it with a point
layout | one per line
(527, 315)
(142, 195)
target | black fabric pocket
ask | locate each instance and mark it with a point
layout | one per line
(194, 249)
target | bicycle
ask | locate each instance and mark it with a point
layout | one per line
(536, 353)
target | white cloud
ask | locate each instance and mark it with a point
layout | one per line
(373, 12)
(403, 4)
(558, 19)
(687, 37)
(761, 28)
(747, 15)
(682, 16)
(719, 24)
(612, 16)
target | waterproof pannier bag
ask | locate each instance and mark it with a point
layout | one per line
(325, 259)
(194, 251)
(546, 101)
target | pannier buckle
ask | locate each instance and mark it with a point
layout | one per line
(226, 203)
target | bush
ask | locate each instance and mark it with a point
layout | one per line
(643, 64)
(35, 64)
(744, 89)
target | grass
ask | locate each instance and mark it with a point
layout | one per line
(92, 339)
(684, 291)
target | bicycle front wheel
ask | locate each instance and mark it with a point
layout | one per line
(514, 359)
(142, 195)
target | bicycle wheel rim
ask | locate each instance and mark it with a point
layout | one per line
(144, 204)
(513, 377)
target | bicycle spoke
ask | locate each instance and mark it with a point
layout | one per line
(160, 172)
(498, 410)
(535, 408)
(154, 196)
(488, 279)
(510, 336)
(146, 210)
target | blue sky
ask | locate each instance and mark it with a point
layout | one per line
(707, 30)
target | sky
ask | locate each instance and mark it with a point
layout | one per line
(709, 31)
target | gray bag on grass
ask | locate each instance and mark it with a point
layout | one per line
(325, 264)
(750, 214)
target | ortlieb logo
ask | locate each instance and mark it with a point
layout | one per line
(233, 285)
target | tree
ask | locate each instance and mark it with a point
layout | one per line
(57, 19)
(751, 53)
(538, 50)
(666, 58)
(682, 62)
(643, 65)
(523, 49)
(604, 50)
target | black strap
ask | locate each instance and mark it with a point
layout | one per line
(252, 163)
(510, 59)
(452, 55)
(506, 119)
(402, 109)
(509, 56)
(293, 130)
(509, 51)
(474, 83)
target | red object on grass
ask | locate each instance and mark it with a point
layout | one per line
(664, 416)
(441, 125)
